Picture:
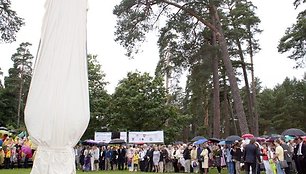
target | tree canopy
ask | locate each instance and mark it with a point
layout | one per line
(294, 40)
(10, 22)
(17, 83)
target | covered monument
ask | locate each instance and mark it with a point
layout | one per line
(57, 109)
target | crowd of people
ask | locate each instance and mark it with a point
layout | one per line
(16, 152)
(241, 156)
(277, 157)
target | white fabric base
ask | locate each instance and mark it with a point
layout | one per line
(55, 161)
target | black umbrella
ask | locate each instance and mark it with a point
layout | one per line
(294, 132)
(117, 141)
(13, 131)
(196, 138)
(232, 138)
(214, 140)
(101, 144)
(90, 142)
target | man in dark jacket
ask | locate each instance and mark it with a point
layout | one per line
(149, 160)
(300, 156)
(250, 156)
(121, 157)
(200, 159)
(187, 157)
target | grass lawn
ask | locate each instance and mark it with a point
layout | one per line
(27, 171)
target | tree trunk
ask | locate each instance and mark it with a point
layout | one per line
(216, 90)
(186, 134)
(226, 111)
(20, 98)
(206, 119)
(247, 88)
(232, 78)
(232, 116)
(226, 60)
(253, 86)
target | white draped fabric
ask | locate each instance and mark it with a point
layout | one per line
(57, 109)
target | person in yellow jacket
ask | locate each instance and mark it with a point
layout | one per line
(1, 156)
(7, 157)
(136, 160)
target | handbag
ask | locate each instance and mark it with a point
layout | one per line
(96, 161)
(283, 164)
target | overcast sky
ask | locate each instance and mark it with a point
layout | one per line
(270, 66)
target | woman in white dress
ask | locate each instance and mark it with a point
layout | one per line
(204, 155)
(156, 158)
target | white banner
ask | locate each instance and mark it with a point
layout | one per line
(146, 137)
(123, 136)
(106, 137)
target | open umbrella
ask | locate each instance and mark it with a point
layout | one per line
(100, 144)
(247, 136)
(90, 142)
(276, 135)
(196, 138)
(264, 136)
(233, 138)
(26, 149)
(4, 128)
(22, 134)
(200, 141)
(4, 132)
(294, 132)
(222, 143)
(214, 140)
(288, 138)
(117, 141)
(260, 139)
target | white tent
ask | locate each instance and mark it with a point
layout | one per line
(57, 109)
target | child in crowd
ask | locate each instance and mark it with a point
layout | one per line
(136, 160)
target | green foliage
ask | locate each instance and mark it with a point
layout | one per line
(298, 2)
(19, 74)
(294, 40)
(10, 23)
(140, 103)
(134, 22)
(283, 107)
(99, 99)
(241, 26)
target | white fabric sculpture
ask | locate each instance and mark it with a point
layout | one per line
(57, 109)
